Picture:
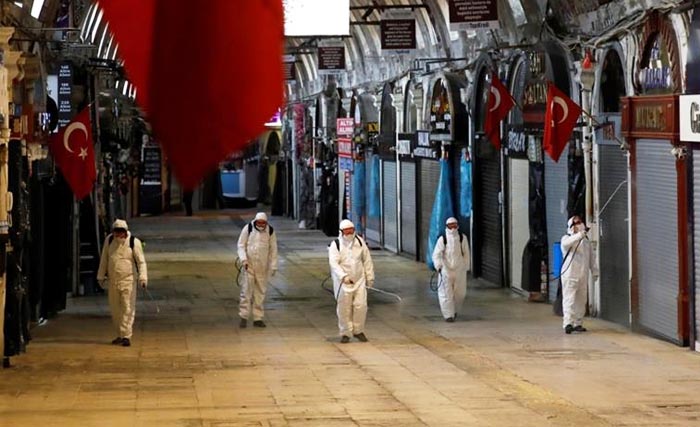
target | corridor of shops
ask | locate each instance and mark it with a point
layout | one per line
(503, 362)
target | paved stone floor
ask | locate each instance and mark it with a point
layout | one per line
(505, 362)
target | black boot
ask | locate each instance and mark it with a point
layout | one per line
(568, 329)
(126, 342)
(345, 339)
(361, 336)
(259, 324)
(117, 340)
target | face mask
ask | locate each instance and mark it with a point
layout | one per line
(348, 237)
(259, 228)
(452, 231)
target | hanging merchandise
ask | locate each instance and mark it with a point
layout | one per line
(358, 196)
(465, 193)
(442, 209)
(374, 193)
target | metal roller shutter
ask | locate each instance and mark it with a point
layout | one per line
(390, 218)
(657, 238)
(429, 178)
(488, 241)
(556, 182)
(408, 208)
(372, 232)
(518, 214)
(614, 232)
(696, 242)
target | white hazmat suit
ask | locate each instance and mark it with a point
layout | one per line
(352, 272)
(120, 265)
(452, 258)
(258, 249)
(574, 273)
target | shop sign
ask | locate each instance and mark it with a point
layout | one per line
(345, 126)
(516, 143)
(656, 75)
(689, 109)
(651, 116)
(65, 88)
(405, 144)
(473, 14)
(150, 159)
(425, 148)
(331, 59)
(398, 31)
(345, 147)
(610, 128)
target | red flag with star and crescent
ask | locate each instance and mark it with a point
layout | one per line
(208, 74)
(560, 119)
(499, 104)
(73, 149)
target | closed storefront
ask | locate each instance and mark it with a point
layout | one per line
(613, 192)
(659, 183)
(659, 293)
(556, 184)
(409, 224)
(613, 223)
(518, 214)
(487, 240)
(429, 178)
(657, 237)
(389, 206)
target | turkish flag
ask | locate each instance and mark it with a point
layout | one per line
(207, 76)
(560, 119)
(73, 149)
(499, 104)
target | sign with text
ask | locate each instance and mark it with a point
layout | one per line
(689, 106)
(345, 147)
(65, 88)
(424, 147)
(609, 128)
(331, 59)
(344, 126)
(398, 31)
(473, 14)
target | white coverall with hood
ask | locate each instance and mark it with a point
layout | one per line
(452, 261)
(120, 266)
(258, 248)
(574, 276)
(351, 259)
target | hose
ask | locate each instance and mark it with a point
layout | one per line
(435, 281)
(239, 267)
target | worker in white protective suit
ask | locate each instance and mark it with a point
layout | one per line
(122, 264)
(257, 252)
(452, 259)
(353, 272)
(578, 262)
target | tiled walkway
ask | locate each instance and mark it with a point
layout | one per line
(505, 362)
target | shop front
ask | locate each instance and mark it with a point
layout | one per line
(659, 172)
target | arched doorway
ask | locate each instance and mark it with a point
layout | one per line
(613, 221)
(487, 240)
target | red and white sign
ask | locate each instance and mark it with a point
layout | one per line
(344, 126)
(345, 147)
